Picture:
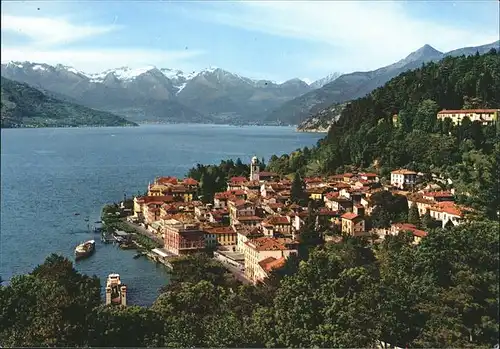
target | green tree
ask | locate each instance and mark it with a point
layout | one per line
(297, 191)
(414, 215)
(198, 267)
(428, 222)
(425, 116)
(52, 306)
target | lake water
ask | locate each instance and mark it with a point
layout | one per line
(48, 175)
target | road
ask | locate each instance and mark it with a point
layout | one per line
(237, 273)
(144, 231)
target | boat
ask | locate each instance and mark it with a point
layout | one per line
(137, 255)
(85, 249)
(116, 292)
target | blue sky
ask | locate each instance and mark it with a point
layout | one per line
(261, 39)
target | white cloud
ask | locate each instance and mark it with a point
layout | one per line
(44, 31)
(97, 60)
(355, 35)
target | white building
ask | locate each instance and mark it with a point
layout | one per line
(403, 178)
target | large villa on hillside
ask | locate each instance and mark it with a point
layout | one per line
(484, 116)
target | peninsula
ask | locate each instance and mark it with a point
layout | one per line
(23, 106)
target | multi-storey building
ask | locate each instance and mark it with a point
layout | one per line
(484, 116)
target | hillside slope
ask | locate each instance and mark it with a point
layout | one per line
(355, 85)
(25, 106)
(366, 135)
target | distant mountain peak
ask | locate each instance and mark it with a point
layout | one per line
(423, 52)
(323, 81)
(295, 81)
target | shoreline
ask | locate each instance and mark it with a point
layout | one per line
(166, 259)
(146, 124)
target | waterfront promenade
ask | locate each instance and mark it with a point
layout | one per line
(238, 274)
(145, 232)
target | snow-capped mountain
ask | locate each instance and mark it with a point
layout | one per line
(326, 80)
(151, 93)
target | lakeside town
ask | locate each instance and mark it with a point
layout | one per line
(255, 224)
(384, 234)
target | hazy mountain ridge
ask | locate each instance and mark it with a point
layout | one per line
(25, 106)
(161, 94)
(358, 84)
(212, 95)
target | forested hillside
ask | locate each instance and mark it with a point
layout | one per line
(367, 136)
(441, 293)
(25, 106)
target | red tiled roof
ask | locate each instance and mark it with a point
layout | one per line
(368, 174)
(155, 199)
(403, 172)
(190, 181)
(350, 216)
(465, 111)
(237, 179)
(277, 220)
(239, 202)
(451, 208)
(219, 230)
(166, 180)
(266, 244)
(410, 227)
(271, 263)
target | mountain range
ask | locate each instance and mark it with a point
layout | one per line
(348, 87)
(161, 94)
(213, 95)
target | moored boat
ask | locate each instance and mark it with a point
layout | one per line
(85, 249)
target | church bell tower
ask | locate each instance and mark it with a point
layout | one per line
(254, 169)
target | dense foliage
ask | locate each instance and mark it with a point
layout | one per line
(367, 136)
(25, 106)
(440, 293)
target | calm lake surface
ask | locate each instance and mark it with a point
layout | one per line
(48, 175)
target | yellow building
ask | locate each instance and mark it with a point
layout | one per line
(225, 235)
(484, 116)
(318, 193)
(260, 249)
(352, 224)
